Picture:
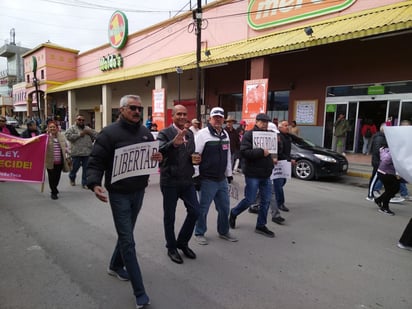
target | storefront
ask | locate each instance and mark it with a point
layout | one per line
(303, 60)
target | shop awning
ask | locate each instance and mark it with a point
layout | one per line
(378, 21)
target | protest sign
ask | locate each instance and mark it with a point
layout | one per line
(135, 160)
(22, 159)
(283, 169)
(399, 142)
(265, 140)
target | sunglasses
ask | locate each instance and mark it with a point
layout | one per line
(135, 107)
(80, 119)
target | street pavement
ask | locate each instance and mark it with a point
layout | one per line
(335, 251)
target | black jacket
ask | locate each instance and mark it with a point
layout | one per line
(118, 134)
(378, 141)
(255, 164)
(176, 168)
(284, 146)
(27, 133)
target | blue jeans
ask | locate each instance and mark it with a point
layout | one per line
(77, 162)
(218, 192)
(278, 184)
(125, 208)
(253, 185)
(403, 190)
(170, 196)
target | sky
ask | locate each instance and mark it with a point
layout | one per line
(78, 24)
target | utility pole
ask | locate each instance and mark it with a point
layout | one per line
(197, 14)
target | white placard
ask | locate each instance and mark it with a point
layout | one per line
(265, 140)
(134, 160)
(283, 169)
(399, 141)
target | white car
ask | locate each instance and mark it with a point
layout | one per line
(12, 121)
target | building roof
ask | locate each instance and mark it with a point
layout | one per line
(386, 20)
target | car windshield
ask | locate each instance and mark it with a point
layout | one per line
(304, 143)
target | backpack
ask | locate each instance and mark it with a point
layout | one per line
(368, 133)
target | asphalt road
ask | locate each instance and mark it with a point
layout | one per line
(335, 251)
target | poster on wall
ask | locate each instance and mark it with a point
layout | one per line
(306, 112)
(254, 100)
(158, 107)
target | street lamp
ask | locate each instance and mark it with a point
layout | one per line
(179, 72)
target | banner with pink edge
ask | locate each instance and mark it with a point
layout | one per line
(22, 159)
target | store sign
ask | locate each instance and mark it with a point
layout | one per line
(270, 13)
(111, 62)
(118, 30)
(374, 90)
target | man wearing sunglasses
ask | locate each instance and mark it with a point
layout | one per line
(81, 138)
(125, 195)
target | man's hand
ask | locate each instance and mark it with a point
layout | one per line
(157, 156)
(265, 152)
(100, 193)
(180, 138)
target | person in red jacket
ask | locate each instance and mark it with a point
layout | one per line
(368, 130)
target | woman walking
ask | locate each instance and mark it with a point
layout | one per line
(56, 160)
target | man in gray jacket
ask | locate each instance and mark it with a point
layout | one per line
(81, 138)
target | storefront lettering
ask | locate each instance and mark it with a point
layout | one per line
(111, 62)
(269, 13)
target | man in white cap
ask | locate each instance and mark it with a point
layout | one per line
(215, 171)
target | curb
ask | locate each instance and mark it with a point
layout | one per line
(359, 174)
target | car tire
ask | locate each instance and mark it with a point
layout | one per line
(304, 169)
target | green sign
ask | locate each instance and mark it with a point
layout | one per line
(373, 90)
(331, 108)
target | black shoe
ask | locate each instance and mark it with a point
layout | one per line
(386, 211)
(264, 231)
(254, 209)
(54, 196)
(232, 220)
(377, 202)
(283, 208)
(187, 252)
(175, 256)
(278, 220)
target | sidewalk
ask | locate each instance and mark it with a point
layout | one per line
(359, 165)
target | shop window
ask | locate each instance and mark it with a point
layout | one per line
(42, 74)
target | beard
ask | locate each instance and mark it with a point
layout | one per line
(81, 126)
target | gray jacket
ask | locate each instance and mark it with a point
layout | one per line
(80, 146)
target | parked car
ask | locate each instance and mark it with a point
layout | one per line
(313, 162)
(12, 121)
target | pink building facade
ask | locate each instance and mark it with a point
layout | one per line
(355, 61)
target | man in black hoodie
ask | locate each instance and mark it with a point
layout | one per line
(257, 168)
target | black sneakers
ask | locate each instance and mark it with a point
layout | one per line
(232, 220)
(283, 208)
(278, 220)
(254, 209)
(386, 211)
(264, 231)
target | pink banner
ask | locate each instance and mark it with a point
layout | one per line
(22, 159)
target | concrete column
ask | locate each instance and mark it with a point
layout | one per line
(71, 106)
(106, 107)
(259, 68)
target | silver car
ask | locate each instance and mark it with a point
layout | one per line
(12, 121)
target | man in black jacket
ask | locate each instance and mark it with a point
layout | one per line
(378, 141)
(284, 150)
(125, 195)
(257, 168)
(31, 130)
(176, 171)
